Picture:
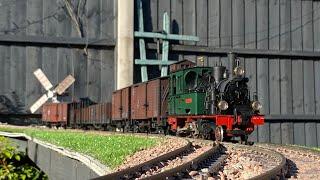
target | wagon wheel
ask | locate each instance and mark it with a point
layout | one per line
(218, 134)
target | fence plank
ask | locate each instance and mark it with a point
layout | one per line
(316, 26)
(213, 28)
(237, 27)
(33, 54)
(308, 72)
(5, 50)
(108, 18)
(202, 22)
(94, 59)
(153, 15)
(297, 72)
(189, 24)
(263, 67)
(250, 42)
(318, 134)
(80, 73)
(49, 54)
(225, 28)
(107, 56)
(285, 71)
(176, 25)
(163, 6)
(65, 63)
(274, 69)
(107, 72)
(18, 54)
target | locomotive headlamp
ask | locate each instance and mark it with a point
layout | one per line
(223, 105)
(256, 105)
(238, 71)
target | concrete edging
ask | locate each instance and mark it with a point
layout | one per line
(53, 158)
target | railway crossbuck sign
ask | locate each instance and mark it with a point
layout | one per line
(51, 93)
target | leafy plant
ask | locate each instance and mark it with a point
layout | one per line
(15, 165)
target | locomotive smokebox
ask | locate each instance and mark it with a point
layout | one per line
(218, 72)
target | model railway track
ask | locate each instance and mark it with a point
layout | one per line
(216, 164)
(198, 160)
(302, 163)
(252, 162)
(188, 162)
(164, 166)
(131, 172)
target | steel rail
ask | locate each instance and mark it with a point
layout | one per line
(136, 168)
(187, 165)
(292, 147)
(272, 173)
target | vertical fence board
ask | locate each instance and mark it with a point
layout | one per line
(189, 23)
(202, 26)
(33, 54)
(250, 43)
(316, 30)
(285, 70)
(297, 72)
(107, 71)
(237, 23)
(163, 6)
(176, 25)
(297, 92)
(65, 63)
(274, 70)
(18, 55)
(308, 72)
(154, 15)
(107, 16)
(225, 28)
(237, 26)
(309, 106)
(49, 54)
(202, 22)
(107, 56)
(176, 17)
(263, 67)
(318, 134)
(93, 9)
(226, 24)
(5, 50)
(80, 73)
(213, 28)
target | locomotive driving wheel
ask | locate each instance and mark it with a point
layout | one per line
(218, 134)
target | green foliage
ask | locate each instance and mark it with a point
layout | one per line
(110, 149)
(15, 165)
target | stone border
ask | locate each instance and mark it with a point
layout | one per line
(90, 162)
